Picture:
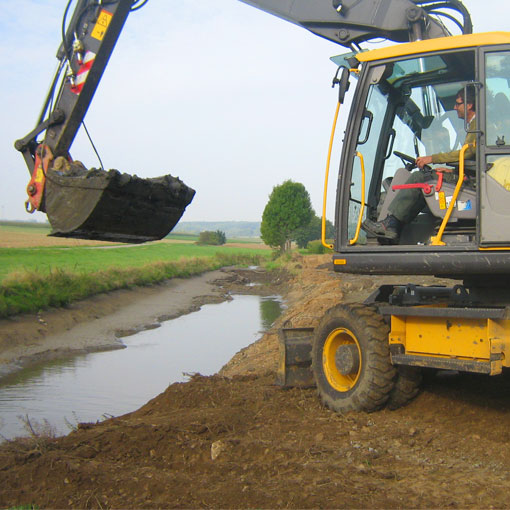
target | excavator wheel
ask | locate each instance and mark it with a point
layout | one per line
(351, 359)
(407, 386)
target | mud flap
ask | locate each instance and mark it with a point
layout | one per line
(110, 206)
(295, 363)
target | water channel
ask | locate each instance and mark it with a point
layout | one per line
(88, 388)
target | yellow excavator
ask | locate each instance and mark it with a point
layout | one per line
(423, 189)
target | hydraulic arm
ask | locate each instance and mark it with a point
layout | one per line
(83, 55)
(92, 204)
(352, 22)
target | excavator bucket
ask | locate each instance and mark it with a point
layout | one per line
(112, 206)
(295, 363)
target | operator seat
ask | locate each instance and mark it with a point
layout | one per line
(437, 195)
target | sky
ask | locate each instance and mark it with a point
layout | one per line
(230, 99)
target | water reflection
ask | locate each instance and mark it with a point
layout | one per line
(86, 387)
(270, 310)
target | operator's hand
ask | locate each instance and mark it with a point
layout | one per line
(422, 161)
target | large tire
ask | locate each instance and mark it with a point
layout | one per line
(351, 359)
(407, 386)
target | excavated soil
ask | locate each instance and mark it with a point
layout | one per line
(235, 440)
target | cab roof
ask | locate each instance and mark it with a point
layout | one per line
(433, 45)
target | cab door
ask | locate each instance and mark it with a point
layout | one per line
(495, 146)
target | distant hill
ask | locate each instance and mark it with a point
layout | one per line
(24, 223)
(231, 228)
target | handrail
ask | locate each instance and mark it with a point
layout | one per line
(354, 240)
(324, 199)
(436, 240)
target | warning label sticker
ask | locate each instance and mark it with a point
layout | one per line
(442, 200)
(101, 26)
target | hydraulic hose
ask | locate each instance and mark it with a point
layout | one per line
(431, 6)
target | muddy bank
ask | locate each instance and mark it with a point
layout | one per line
(99, 323)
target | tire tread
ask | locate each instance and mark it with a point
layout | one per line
(371, 393)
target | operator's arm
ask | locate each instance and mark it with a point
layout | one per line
(452, 156)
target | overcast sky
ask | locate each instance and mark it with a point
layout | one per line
(228, 98)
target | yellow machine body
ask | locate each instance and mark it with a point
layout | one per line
(459, 343)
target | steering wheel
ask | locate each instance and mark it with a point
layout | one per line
(411, 162)
(406, 158)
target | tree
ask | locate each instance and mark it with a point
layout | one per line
(288, 209)
(215, 238)
(222, 238)
(313, 231)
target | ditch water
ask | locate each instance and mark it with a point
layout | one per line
(91, 387)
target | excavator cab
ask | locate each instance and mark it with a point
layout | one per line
(411, 106)
(408, 104)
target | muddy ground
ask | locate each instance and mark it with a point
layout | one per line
(236, 440)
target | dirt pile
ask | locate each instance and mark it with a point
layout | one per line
(242, 442)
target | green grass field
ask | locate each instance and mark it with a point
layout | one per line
(33, 278)
(182, 237)
(91, 259)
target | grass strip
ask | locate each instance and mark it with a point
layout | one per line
(31, 291)
(92, 259)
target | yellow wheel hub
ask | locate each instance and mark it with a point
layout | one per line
(341, 359)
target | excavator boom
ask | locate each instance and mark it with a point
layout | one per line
(352, 22)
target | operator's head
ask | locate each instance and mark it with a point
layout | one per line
(465, 103)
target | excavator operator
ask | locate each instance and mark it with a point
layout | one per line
(409, 202)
